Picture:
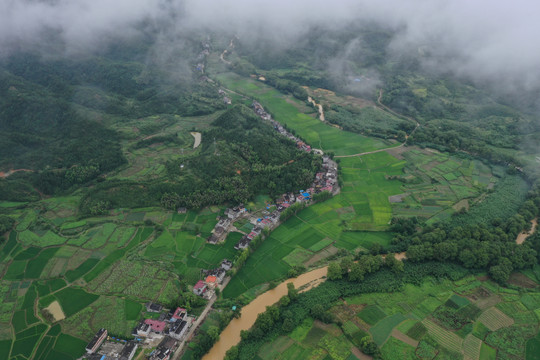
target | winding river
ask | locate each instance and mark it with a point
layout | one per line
(231, 335)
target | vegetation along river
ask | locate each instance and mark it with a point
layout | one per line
(231, 335)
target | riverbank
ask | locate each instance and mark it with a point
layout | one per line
(231, 335)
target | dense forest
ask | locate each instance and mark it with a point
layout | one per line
(234, 168)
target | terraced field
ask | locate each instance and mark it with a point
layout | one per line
(88, 268)
(397, 321)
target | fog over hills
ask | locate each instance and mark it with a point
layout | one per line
(484, 40)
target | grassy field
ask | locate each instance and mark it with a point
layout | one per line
(291, 112)
(503, 327)
(359, 216)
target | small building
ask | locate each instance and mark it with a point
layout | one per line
(128, 351)
(96, 341)
(220, 275)
(211, 281)
(164, 349)
(243, 243)
(179, 314)
(143, 329)
(199, 288)
(157, 326)
(181, 210)
(179, 330)
(226, 265)
(152, 307)
(235, 212)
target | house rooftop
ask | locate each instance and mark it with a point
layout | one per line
(96, 338)
(199, 285)
(210, 279)
(156, 325)
(179, 313)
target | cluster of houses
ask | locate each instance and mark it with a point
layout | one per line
(222, 228)
(99, 348)
(164, 350)
(226, 99)
(259, 110)
(212, 279)
(269, 220)
(327, 180)
(174, 324)
(202, 55)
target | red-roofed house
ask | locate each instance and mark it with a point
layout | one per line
(211, 281)
(199, 288)
(179, 314)
(156, 325)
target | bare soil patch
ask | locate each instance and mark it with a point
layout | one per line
(332, 329)
(521, 280)
(522, 236)
(461, 204)
(401, 336)
(323, 254)
(397, 198)
(398, 151)
(488, 302)
(360, 354)
(197, 136)
(56, 310)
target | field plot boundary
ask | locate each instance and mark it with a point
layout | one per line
(471, 347)
(444, 337)
(495, 319)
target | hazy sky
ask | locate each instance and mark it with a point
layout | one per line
(495, 39)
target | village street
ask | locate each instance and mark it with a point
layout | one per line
(179, 351)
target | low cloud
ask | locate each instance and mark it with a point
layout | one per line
(484, 40)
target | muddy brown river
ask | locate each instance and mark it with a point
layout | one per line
(231, 335)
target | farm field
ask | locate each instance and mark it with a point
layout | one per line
(437, 184)
(291, 112)
(99, 273)
(311, 340)
(355, 219)
(360, 214)
(163, 137)
(465, 319)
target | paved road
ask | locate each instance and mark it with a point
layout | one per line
(198, 322)
(194, 327)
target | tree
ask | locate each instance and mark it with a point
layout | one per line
(375, 249)
(284, 301)
(232, 353)
(213, 333)
(6, 223)
(357, 272)
(346, 264)
(288, 325)
(334, 271)
(393, 264)
(292, 293)
(501, 272)
(368, 346)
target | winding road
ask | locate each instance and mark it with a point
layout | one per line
(385, 108)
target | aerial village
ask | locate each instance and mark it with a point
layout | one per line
(164, 329)
(167, 330)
